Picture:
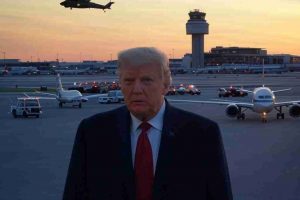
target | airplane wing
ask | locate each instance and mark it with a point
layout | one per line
(53, 96)
(239, 104)
(282, 90)
(46, 93)
(243, 90)
(286, 103)
(93, 96)
(26, 95)
(46, 98)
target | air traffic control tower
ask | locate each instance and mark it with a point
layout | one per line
(197, 27)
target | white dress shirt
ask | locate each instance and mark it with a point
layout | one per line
(154, 133)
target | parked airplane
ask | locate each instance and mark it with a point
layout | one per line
(68, 96)
(263, 102)
(85, 4)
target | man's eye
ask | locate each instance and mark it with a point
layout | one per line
(147, 80)
(128, 81)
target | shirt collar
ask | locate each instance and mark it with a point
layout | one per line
(156, 122)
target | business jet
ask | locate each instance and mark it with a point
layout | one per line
(263, 102)
(85, 4)
(67, 96)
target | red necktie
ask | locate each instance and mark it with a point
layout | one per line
(143, 165)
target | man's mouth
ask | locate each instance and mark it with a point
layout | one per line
(137, 101)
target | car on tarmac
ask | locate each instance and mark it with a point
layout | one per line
(86, 87)
(26, 106)
(192, 90)
(181, 90)
(231, 91)
(113, 96)
(222, 92)
(171, 91)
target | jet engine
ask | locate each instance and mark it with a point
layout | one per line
(232, 110)
(294, 110)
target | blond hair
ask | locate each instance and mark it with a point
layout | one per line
(138, 56)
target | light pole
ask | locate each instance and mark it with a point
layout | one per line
(173, 53)
(4, 58)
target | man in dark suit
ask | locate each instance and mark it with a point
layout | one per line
(148, 149)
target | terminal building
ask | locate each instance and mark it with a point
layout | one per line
(238, 58)
(246, 55)
(218, 60)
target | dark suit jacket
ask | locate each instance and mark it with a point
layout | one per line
(191, 162)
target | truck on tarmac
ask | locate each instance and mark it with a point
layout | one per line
(26, 106)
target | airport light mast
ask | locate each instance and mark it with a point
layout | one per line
(197, 27)
(4, 64)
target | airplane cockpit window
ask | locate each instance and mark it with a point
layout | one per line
(261, 97)
(268, 97)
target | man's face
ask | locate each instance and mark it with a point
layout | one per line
(143, 89)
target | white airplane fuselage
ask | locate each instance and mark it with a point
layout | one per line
(69, 96)
(263, 100)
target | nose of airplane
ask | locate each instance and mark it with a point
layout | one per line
(62, 3)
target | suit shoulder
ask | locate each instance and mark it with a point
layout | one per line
(194, 118)
(107, 117)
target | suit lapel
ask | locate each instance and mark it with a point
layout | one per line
(166, 150)
(123, 127)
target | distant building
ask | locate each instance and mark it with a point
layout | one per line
(238, 51)
(111, 66)
(85, 67)
(246, 55)
(218, 60)
(9, 62)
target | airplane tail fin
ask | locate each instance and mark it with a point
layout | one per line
(59, 84)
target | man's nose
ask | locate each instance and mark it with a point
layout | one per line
(137, 87)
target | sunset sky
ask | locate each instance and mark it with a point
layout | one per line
(44, 29)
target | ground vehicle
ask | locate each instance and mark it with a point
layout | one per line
(181, 90)
(26, 106)
(113, 96)
(171, 91)
(232, 91)
(240, 93)
(193, 90)
(223, 92)
(89, 87)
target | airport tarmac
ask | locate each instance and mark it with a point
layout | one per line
(263, 158)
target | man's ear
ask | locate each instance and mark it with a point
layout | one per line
(165, 89)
